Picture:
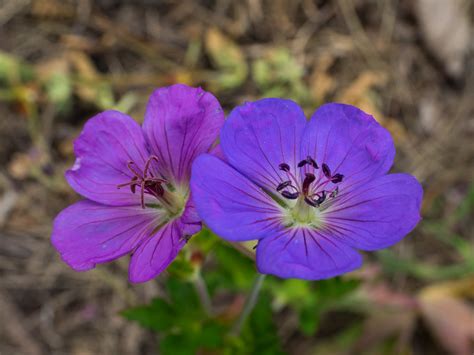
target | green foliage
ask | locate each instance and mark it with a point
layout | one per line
(182, 267)
(278, 74)
(181, 322)
(235, 271)
(184, 327)
(259, 335)
(312, 299)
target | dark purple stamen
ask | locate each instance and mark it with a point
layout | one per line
(309, 161)
(147, 182)
(316, 203)
(337, 178)
(310, 201)
(326, 170)
(290, 195)
(311, 197)
(312, 162)
(282, 185)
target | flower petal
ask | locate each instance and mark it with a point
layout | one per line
(156, 252)
(180, 123)
(230, 204)
(108, 142)
(191, 222)
(258, 136)
(349, 141)
(377, 214)
(217, 151)
(88, 233)
(305, 254)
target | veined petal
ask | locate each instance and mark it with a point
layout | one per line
(258, 136)
(376, 215)
(231, 205)
(156, 252)
(180, 123)
(87, 233)
(190, 220)
(350, 142)
(108, 142)
(305, 253)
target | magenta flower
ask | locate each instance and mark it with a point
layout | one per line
(312, 192)
(136, 183)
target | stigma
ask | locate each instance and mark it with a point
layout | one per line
(315, 188)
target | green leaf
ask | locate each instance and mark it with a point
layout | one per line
(181, 322)
(156, 316)
(178, 344)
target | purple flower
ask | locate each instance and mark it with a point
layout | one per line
(312, 192)
(136, 183)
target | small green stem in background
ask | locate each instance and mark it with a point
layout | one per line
(249, 304)
(203, 293)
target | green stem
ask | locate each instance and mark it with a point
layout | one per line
(203, 294)
(249, 304)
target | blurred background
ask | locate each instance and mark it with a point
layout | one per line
(408, 63)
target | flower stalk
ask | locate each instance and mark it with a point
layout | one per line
(203, 293)
(249, 304)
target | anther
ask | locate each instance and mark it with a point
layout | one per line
(310, 201)
(312, 162)
(284, 166)
(337, 178)
(290, 195)
(326, 170)
(282, 185)
(309, 161)
(302, 163)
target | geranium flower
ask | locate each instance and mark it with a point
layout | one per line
(311, 192)
(136, 183)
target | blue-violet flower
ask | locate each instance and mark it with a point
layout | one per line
(311, 192)
(136, 183)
